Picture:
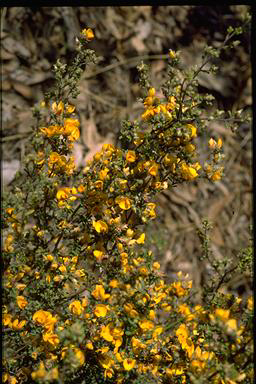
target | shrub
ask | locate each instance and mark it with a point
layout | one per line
(83, 299)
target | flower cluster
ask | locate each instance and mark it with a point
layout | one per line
(81, 290)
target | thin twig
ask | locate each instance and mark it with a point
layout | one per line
(14, 137)
(124, 62)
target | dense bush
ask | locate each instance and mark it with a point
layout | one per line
(83, 299)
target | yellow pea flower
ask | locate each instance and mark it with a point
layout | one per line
(88, 34)
(129, 364)
(172, 54)
(130, 156)
(100, 310)
(51, 338)
(216, 176)
(106, 333)
(70, 108)
(7, 319)
(123, 202)
(22, 302)
(99, 293)
(146, 325)
(100, 226)
(98, 254)
(75, 307)
(193, 130)
(58, 108)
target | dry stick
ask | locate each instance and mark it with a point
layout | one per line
(14, 137)
(123, 62)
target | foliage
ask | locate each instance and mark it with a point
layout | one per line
(83, 299)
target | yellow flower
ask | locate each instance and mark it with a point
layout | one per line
(129, 308)
(22, 302)
(157, 331)
(81, 188)
(71, 129)
(100, 310)
(130, 156)
(58, 108)
(216, 175)
(188, 173)
(146, 325)
(7, 319)
(182, 333)
(153, 169)
(189, 347)
(99, 293)
(190, 148)
(103, 173)
(180, 291)
(98, 254)
(223, 314)
(45, 319)
(62, 268)
(141, 239)
(232, 324)
(151, 92)
(70, 108)
(212, 143)
(219, 143)
(156, 265)
(123, 202)
(18, 325)
(51, 338)
(54, 158)
(113, 283)
(40, 373)
(106, 333)
(63, 193)
(99, 184)
(75, 307)
(79, 355)
(11, 379)
(100, 226)
(51, 130)
(148, 113)
(88, 34)
(49, 257)
(9, 211)
(250, 303)
(129, 364)
(172, 54)
(192, 129)
(89, 345)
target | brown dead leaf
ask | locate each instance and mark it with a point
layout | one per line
(6, 85)
(15, 46)
(143, 29)
(27, 77)
(5, 55)
(78, 154)
(25, 120)
(23, 89)
(111, 17)
(157, 66)
(188, 194)
(9, 169)
(91, 138)
(218, 205)
(138, 44)
(217, 237)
